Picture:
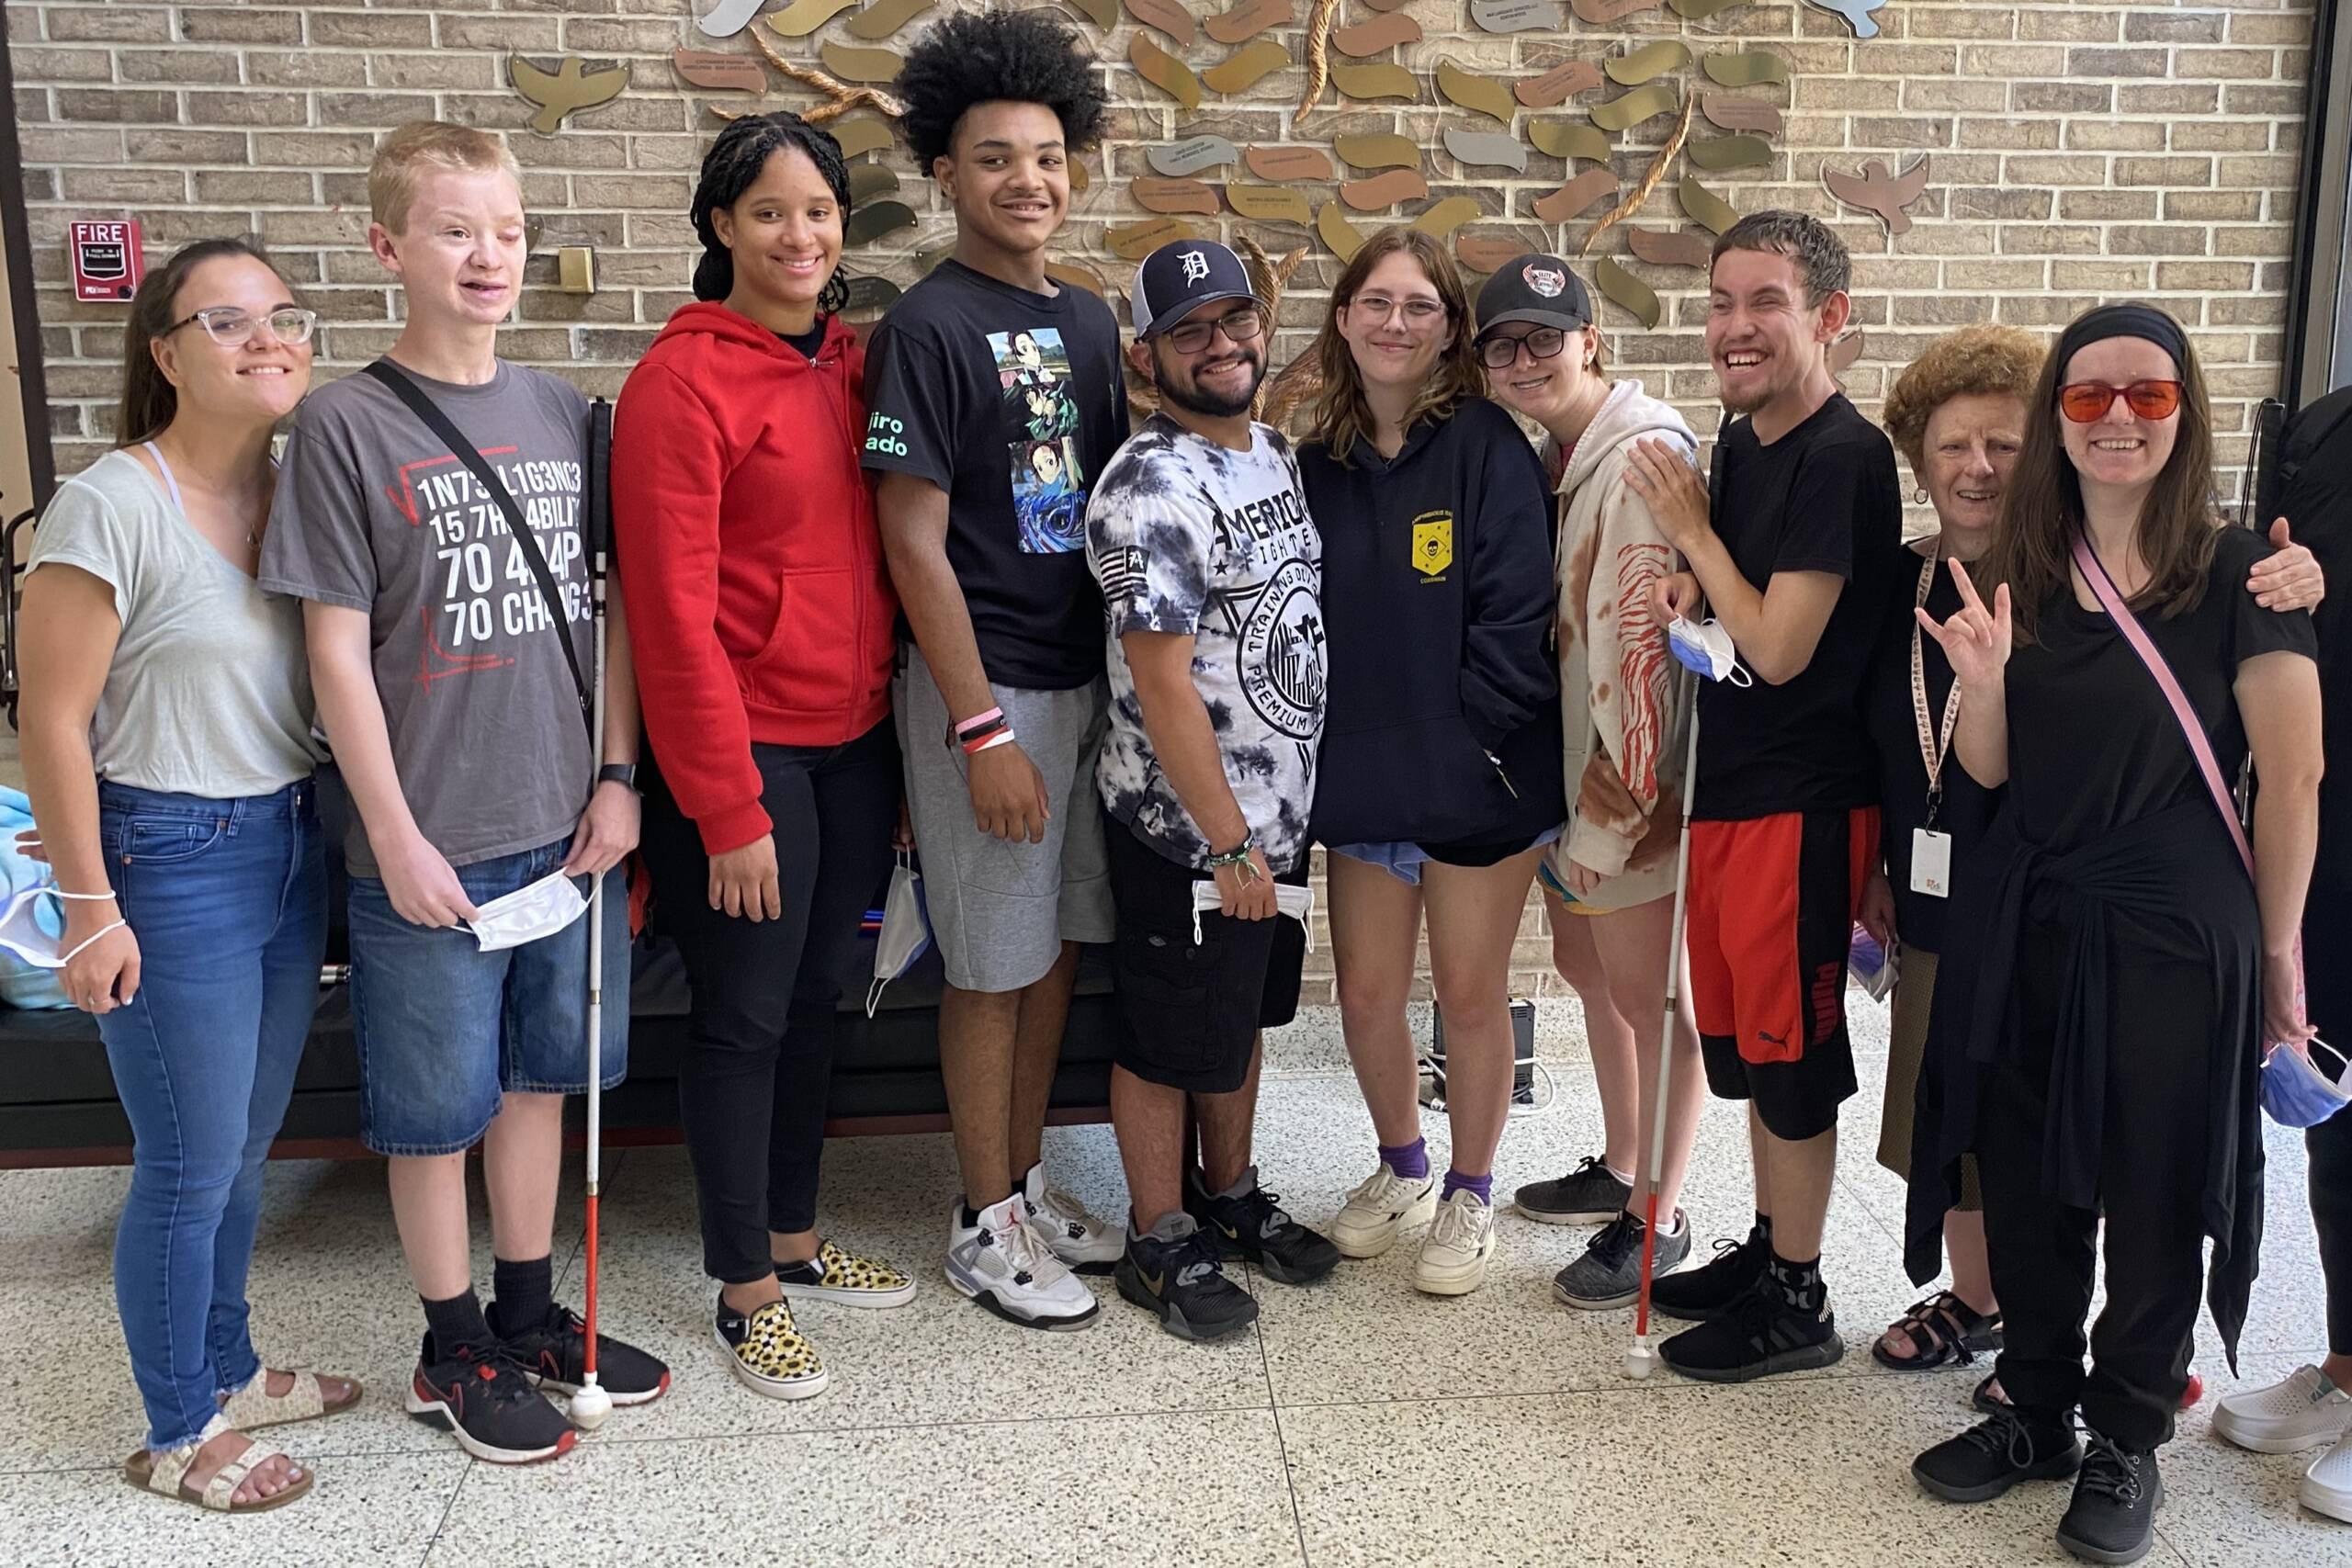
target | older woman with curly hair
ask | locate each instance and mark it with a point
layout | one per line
(1957, 416)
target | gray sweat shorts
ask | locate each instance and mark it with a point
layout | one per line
(1002, 910)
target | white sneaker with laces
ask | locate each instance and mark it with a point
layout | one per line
(2302, 1410)
(2327, 1484)
(1000, 1264)
(1455, 1254)
(1385, 1205)
(1061, 1221)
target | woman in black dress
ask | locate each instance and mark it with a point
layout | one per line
(2115, 971)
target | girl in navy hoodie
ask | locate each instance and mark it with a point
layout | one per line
(1440, 779)
(760, 617)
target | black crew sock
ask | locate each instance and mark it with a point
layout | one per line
(526, 1291)
(1800, 1283)
(971, 1215)
(456, 1323)
(1763, 1230)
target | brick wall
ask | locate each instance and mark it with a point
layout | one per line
(2078, 150)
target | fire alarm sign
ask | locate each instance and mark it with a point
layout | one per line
(108, 261)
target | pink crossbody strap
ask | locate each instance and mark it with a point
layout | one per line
(2192, 728)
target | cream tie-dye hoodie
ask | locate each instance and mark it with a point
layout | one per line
(1622, 694)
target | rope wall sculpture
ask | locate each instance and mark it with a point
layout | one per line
(1655, 111)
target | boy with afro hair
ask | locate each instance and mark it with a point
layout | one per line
(999, 695)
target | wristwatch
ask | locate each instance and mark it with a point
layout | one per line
(621, 773)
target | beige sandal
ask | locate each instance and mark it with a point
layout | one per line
(255, 1406)
(165, 1474)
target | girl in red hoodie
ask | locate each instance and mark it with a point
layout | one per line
(761, 617)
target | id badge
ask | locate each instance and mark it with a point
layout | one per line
(1931, 863)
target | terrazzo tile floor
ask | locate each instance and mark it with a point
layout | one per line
(1360, 1423)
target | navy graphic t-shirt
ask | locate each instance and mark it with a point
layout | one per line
(1186, 536)
(1013, 403)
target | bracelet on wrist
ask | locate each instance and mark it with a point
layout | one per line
(989, 742)
(965, 729)
(1238, 855)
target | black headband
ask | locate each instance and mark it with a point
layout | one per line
(2142, 321)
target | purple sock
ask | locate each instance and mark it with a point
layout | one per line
(1482, 1187)
(1410, 1161)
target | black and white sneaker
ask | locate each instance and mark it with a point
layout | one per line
(552, 1353)
(1995, 1455)
(1592, 1194)
(1697, 1294)
(2116, 1493)
(1173, 1274)
(1247, 1221)
(482, 1399)
(1763, 1334)
(1609, 1274)
(999, 1261)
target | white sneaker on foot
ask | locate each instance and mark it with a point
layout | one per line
(1455, 1254)
(2327, 1484)
(1061, 1221)
(1000, 1264)
(1376, 1213)
(2302, 1410)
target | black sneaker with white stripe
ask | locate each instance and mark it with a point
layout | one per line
(481, 1397)
(1247, 1221)
(1768, 1331)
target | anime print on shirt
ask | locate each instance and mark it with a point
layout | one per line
(1187, 536)
(1040, 420)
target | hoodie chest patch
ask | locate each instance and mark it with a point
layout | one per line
(1432, 544)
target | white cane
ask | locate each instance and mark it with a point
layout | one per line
(590, 1404)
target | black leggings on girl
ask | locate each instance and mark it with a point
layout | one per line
(759, 1061)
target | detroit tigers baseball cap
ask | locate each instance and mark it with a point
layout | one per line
(1180, 277)
(1539, 289)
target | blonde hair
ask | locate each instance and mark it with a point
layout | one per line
(1340, 414)
(407, 154)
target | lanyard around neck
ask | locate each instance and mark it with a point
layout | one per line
(1933, 748)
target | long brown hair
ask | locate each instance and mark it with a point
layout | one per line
(150, 401)
(2042, 506)
(1340, 413)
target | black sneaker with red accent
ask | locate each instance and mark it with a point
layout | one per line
(484, 1401)
(553, 1352)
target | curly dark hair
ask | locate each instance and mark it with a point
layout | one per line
(1821, 258)
(982, 57)
(732, 167)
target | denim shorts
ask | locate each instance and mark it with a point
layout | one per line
(444, 1029)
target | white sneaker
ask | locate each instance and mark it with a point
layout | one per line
(1000, 1264)
(2302, 1410)
(2327, 1484)
(1061, 1221)
(1455, 1254)
(1375, 1213)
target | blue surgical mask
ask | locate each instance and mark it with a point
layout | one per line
(906, 929)
(1706, 646)
(2298, 1091)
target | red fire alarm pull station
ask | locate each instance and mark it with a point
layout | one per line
(108, 261)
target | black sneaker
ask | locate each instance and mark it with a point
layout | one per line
(2113, 1516)
(484, 1401)
(1173, 1273)
(1609, 1273)
(1995, 1455)
(552, 1353)
(1589, 1195)
(1761, 1334)
(1247, 1221)
(1697, 1294)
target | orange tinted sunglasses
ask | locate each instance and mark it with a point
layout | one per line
(2086, 403)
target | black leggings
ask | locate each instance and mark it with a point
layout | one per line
(759, 1061)
(2151, 1181)
(2329, 1145)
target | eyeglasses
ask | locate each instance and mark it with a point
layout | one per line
(2086, 403)
(1242, 326)
(1543, 342)
(234, 328)
(1420, 313)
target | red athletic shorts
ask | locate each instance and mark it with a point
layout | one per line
(1771, 909)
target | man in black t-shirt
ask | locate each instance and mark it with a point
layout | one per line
(994, 400)
(1806, 521)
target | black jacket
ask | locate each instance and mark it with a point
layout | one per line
(1438, 606)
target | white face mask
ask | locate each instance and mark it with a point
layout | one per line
(906, 929)
(527, 914)
(1295, 903)
(1706, 648)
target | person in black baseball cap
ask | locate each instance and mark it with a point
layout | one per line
(1538, 288)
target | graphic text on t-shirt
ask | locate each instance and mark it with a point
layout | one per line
(478, 574)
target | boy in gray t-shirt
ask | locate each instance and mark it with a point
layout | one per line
(458, 730)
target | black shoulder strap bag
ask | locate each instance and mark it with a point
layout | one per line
(422, 405)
